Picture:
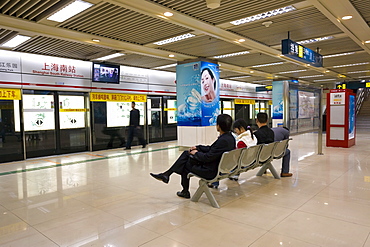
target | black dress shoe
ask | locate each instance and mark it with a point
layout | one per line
(144, 145)
(161, 177)
(184, 194)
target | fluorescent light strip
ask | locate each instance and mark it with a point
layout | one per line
(309, 41)
(263, 81)
(267, 64)
(110, 56)
(292, 71)
(70, 10)
(232, 54)
(364, 76)
(166, 66)
(349, 65)
(174, 39)
(239, 77)
(339, 54)
(310, 76)
(16, 40)
(355, 72)
(263, 15)
(325, 80)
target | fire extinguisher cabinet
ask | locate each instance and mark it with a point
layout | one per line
(341, 118)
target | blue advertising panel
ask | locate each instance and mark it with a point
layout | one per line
(277, 99)
(189, 111)
(210, 93)
(300, 53)
(351, 124)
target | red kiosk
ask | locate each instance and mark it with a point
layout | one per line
(340, 118)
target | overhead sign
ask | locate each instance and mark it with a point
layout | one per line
(10, 94)
(367, 84)
(244, 101)
(341, 86)
(300, 53)
(264, 88)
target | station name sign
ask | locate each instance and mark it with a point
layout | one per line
(300, 53)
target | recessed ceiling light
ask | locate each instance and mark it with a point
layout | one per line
(339, 54)
(166, 66)
(263, 15)
(15, 41)
(367, 41)
(267, 64)
(110, 56)
(171, 55)
(251, 72)
(347, 17)
(292, 71)
(174, 39)
(349, 65)
(241, 40)
(168, 14)
(232, 54)
(70, 10)
(96, 40)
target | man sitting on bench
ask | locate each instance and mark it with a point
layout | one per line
(201, 160)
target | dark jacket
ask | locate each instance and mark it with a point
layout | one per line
(134, 117)
(280, 133)
(208, 157)
(264, 135)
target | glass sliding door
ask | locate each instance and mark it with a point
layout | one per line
(11, 141)
(155, 118)
(39, 123)
(169, 118)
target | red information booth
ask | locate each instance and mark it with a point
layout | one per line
(340, 118)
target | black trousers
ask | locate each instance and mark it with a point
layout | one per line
(135, 130)
(184, 165)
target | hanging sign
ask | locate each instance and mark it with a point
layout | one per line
(300, 53)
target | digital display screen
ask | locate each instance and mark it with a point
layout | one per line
(107, 73)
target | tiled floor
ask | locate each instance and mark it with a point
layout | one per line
(107, 198)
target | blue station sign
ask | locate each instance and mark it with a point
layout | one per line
(300, 53)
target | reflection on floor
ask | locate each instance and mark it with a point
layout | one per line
(107, 198)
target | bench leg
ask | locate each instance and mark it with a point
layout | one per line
(271, 168)
(203, 188)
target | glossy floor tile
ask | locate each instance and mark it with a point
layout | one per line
(107, 198)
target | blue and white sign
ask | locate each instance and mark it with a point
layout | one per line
(300, 53)
(277, 99)
(351, 124)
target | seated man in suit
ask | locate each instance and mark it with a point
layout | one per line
(282, 133)
(264, 134)
(201, 160)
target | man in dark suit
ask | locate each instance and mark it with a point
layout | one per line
(282, 133)
(201, 160)
(264, 134)
(134, 128)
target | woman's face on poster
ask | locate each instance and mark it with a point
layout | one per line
(207, 82)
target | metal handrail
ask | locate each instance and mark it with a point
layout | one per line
(362, 95)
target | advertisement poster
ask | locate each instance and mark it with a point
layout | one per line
(72, 112)
(118, 113)
(277, 99)
(293, 108)
(198, 94)
(351, 124)
(210, 93)
(189, 111)
(38, 112)
(306, 104)
(171, 111)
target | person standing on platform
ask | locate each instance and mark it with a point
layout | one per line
(201, 160)
(282, 133)
(134, 128)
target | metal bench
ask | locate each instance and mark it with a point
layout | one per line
(241, 160)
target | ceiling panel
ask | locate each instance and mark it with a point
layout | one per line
(112, 21)
(248, 60)
(140, 61)
(33, 10)
(302, 24)
(363, 7)
(202, 46)
(279, 68)
(229, 10)
(6, 34)
(61, 48)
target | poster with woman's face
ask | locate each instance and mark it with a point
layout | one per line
(210, 93)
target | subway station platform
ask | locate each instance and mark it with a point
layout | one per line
(107, 198)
